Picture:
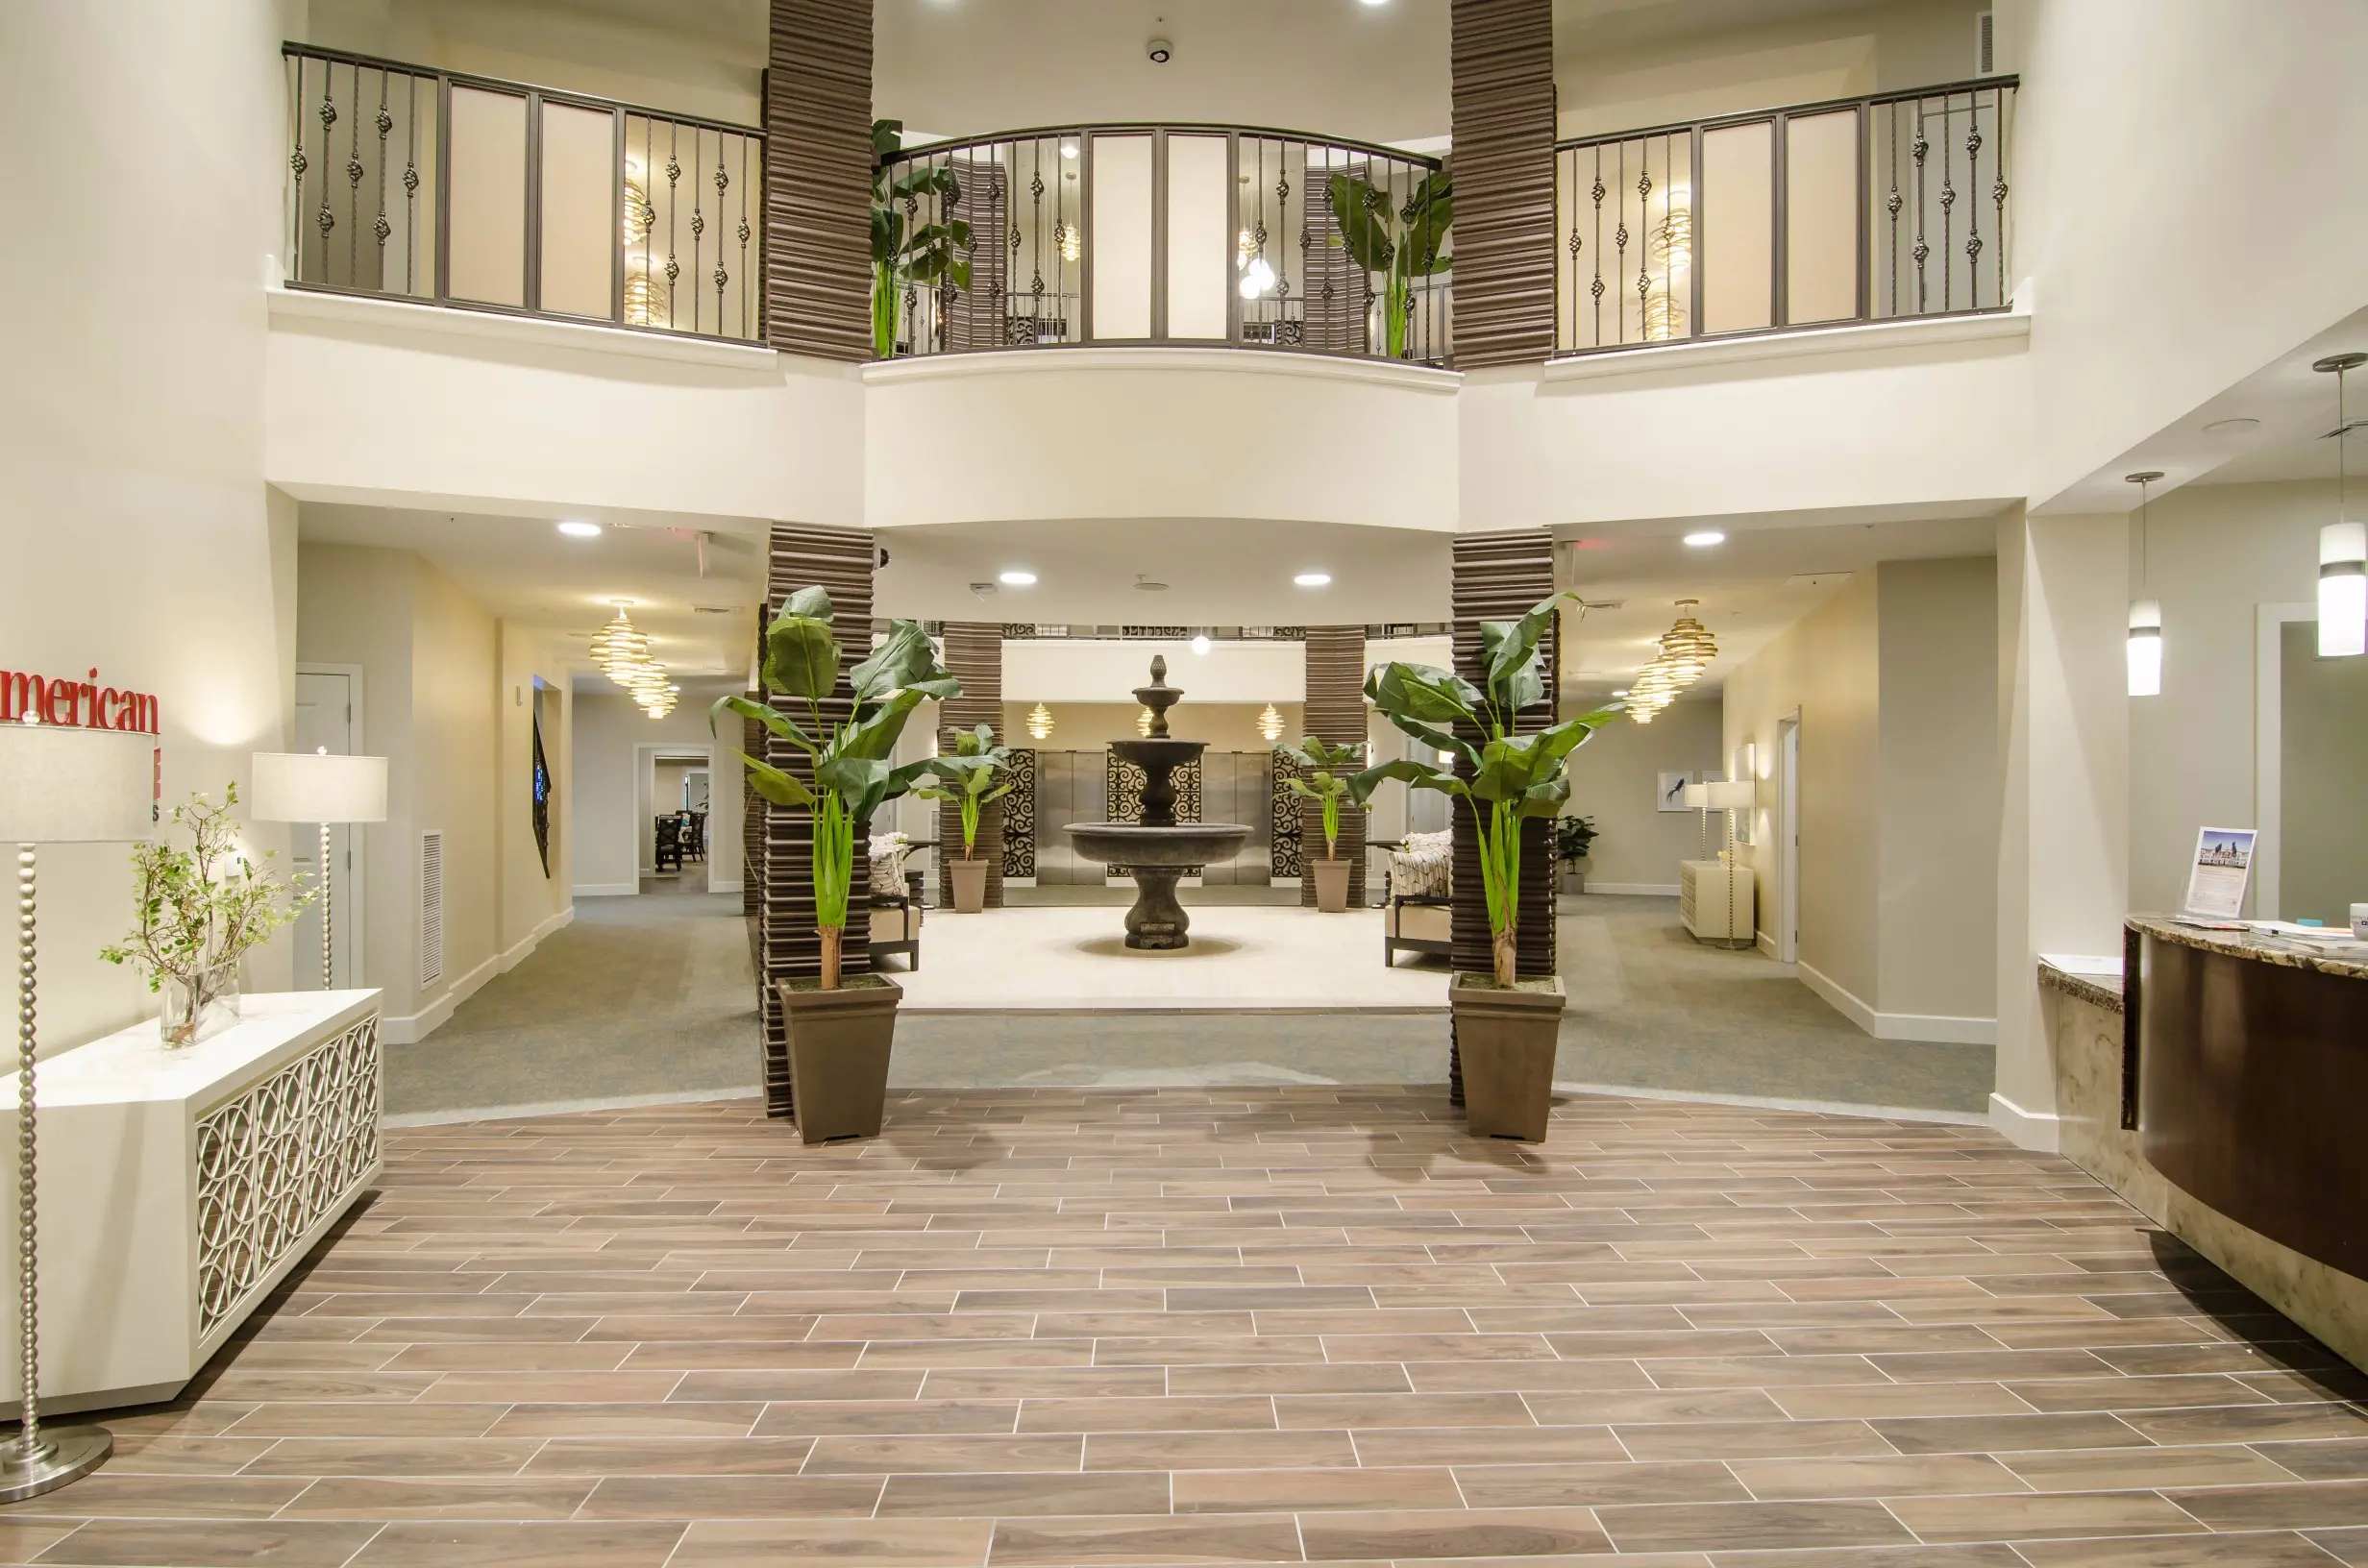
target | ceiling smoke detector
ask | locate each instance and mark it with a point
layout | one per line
(1159, 50)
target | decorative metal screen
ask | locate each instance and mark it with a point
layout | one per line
(1284, 856)
(1124, 781)
(271, 1162)
(1019, 814)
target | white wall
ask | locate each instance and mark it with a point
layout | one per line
(383, 401)
(535, 899)
(134, 519)
(609, 817)
(1615, 778)
(1123, 433)
(1082, 670)
(2174, 171)
(1886, 415)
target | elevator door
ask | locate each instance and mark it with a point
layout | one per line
(1236, 787)
(1068, 789)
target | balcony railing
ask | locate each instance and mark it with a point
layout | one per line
(462, 190)
(1858, 210)
(1170, 234)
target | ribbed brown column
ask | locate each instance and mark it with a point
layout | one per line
(1501, 63)
(974, 653)
(1497, 577)
(839, 559)
(817, 178)
(1335, 714)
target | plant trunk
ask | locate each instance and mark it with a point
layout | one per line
(830, 935)
(1507, 960)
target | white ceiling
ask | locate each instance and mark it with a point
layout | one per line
(1608, 26)
(524, 570)
(2295, 405)
(1221, 571)
(1743, 584)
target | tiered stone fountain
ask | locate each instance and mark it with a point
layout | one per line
(1159, 850)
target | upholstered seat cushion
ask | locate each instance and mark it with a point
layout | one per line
(887, 869)
(1426, 868)
(897, 922)
(1421, 922)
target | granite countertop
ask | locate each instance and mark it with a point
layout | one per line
(2288, 952)
(2094, 980)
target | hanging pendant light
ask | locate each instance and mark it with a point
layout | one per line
(1687, 647)
(1039, 723)
(2145, 648)
(1270, 723)
(2343, 546)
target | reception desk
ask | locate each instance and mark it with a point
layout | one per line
(2222, 1089)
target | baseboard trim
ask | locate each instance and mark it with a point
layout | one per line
(1767, 943)
(606, 889)
(1647, 889)
(1936, 1028)
(556, 919)
(562, 1108)
(1762, 1102)
(2038, 1130)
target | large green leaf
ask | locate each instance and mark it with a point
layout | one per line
(780, 787)
(814, 600)
(1421, 775)
(1421, 693)
(887, 138)
(903, 657)
(802, 658)
(765, 714)
(873, 736)
(1429, 213)
(1507, 645)
(887, 234)
(1363, 223)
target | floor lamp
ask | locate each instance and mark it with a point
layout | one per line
(59, 784)
(1731, 796)
(318, 786)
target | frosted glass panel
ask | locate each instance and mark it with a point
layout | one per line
(1121, 254)
(579, 218)
(1736, 226)
(1821, 217)
(1199, 238)
(489, 257)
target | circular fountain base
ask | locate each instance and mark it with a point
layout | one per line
(1156, 858)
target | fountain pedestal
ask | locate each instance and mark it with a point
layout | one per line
(1158, 850)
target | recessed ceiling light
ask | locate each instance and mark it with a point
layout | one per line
(1623, 692)
(1019, 579)
(1069, 149)
(576, 527)
(2232, 427)
(1313, 580)
(1706, 538)
(1201, 643)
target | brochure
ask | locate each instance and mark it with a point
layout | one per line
(2223, 867)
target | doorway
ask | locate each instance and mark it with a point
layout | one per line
(1789, 838)
(672, 779)
(328, 717)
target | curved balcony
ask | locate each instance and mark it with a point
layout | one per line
(1200, 236)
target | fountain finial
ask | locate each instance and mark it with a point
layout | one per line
(1158, 696)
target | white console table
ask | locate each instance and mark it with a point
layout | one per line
(1717, 901)
(179, 1186)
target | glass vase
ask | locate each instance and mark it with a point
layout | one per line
(199, 1005)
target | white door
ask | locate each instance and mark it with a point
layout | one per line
(328, 714)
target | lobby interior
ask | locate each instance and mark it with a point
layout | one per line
(484, 384)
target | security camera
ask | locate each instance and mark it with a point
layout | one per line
(1159, 50)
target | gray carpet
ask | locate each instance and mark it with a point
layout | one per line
(653, 996)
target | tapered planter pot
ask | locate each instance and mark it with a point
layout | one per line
(839, 1043)
(970, 885)
(1331, 884)
(1506, 1038)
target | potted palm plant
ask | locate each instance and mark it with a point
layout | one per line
(1328, 783)
(1402, 242)
(840, 1034)
(1573, 837)
(1505, 1025)
(970, 773)
(906, 253)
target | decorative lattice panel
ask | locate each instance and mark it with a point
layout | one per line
(1019, 814)
(1123, 784)
(273, 1161)
(1283, 810)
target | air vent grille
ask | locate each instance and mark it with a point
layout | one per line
(1984, 43)
(430, 909)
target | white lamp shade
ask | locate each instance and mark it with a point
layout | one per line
(2343, 590)
(315, 787)
(2146, 648)
(62, 784)
(1731, 795)
(1698, 797)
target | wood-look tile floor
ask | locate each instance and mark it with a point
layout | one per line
(1262, 1326)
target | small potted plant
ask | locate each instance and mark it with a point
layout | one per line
(1573, 836)
(969, 773)
(839, 1034)
(1328, 784)
(197, 913)
(1505, 1025)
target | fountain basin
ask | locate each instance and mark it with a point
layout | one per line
(1157, 857)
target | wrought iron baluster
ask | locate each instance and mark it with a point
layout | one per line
(381, 227)
(297, 163)
(1998, 188)
(326, 220)
(411, 180)
(1917, 150)
(1891, 205)
(354, 172)
(1595, 291)
(1973, 208)
(1619, 238)
(1948, 208)
(674, 178)
(1282, 274)
(745, 281)
(723, 183)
